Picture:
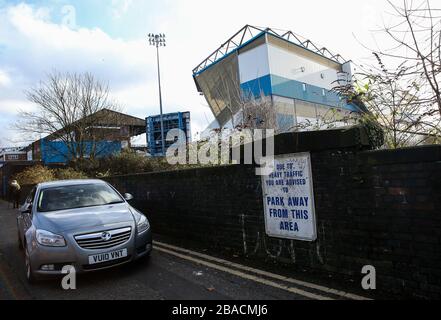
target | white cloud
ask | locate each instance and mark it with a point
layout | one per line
(31, 47)
(5, 80)
(120, 8)
(52, 45)
(11, 107)
(43, 13)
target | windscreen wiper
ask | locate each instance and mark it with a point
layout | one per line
(114, 202)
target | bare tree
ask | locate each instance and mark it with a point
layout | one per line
(401, 90)
(415, 37)
(404, 99)
(257, 113)
(73, 109)
(392, 102)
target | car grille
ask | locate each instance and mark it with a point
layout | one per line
(95, 241)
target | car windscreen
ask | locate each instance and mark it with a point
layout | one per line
(76, 196)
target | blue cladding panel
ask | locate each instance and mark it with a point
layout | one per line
(58, 152)
(295, 89)
(275, 85)
(150, 131)
(352, 107)
(54, 152)
(288, 88)
(177, 120)
(105, 148)
(257, 86)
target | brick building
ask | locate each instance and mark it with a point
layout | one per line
(12, 154)
(107, 132)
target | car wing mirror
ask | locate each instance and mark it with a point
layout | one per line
(128, 196)
(27, 208)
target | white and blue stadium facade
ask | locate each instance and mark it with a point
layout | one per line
(298, 76)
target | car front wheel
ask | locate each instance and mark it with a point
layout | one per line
(28, 268)
(20, 244)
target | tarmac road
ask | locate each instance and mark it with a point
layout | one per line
(172, 273)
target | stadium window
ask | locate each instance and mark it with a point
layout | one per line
(305, 109)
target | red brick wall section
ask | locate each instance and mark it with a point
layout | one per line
(16, 157)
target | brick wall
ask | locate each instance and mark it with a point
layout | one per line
(379, 208)
(15, 157)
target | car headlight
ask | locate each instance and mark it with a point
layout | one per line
(46, 238)
(143, 224)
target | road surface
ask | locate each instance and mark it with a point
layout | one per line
(172, 273)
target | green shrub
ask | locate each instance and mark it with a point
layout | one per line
(89, 167)
(124, 163)
(128, 162)
(34, 175)
(38, 174)
(69, 174)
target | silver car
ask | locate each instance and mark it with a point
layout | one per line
(86, 224)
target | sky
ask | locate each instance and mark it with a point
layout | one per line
(109, 39)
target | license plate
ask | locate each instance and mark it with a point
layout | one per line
(108, 256)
